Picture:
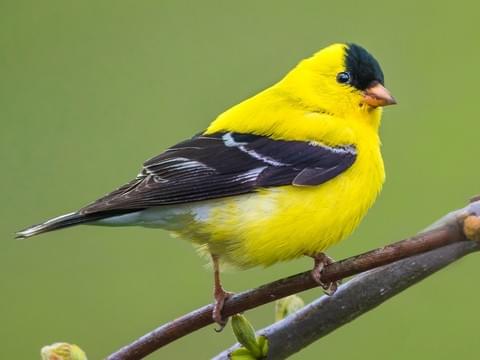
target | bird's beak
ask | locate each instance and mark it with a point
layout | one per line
(377, 95)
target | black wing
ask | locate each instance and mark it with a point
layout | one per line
(225, 164)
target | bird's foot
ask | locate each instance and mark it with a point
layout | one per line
(320, 261)
(220, 296)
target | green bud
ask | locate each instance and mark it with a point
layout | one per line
(62, 351)
(245, 334)
(263, 343)
(241, 354)
(287, 306)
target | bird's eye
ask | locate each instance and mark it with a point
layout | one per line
(343, 77)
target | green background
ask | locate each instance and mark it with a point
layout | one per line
(90, 89)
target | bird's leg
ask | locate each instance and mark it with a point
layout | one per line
(320, 261)
(220, 296)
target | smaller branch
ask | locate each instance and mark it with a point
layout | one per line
(361, 294)
(446, 231)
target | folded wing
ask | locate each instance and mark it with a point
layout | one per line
(225, 164)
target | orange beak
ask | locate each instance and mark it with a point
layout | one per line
(377, 95)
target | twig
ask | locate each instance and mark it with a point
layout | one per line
(444, 232)
(359, 295)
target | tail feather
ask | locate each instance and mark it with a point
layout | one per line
(59, 222)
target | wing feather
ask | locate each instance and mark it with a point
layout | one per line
(225, 164)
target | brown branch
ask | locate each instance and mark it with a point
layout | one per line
(354, 298)
(446, 231)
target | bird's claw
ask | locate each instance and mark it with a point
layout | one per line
(220, 297)
(320, 261)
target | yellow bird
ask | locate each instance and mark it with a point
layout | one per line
(285, 173)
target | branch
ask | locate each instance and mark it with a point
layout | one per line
(358, 296)
(448, 230)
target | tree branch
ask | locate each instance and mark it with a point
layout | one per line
(446, 231)
(358, 296)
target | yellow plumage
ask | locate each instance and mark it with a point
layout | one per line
(286, 222)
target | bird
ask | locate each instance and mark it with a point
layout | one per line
(284, 174)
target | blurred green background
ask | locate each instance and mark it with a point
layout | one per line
(90, 89)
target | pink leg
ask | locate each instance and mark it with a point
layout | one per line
(220, 296)
(320, 261)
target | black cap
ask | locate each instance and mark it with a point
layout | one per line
(362, 66)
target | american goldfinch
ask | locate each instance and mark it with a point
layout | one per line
(285, 173)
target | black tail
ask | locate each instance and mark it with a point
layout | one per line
(59, 222)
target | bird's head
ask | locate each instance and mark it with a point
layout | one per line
(341, 79)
